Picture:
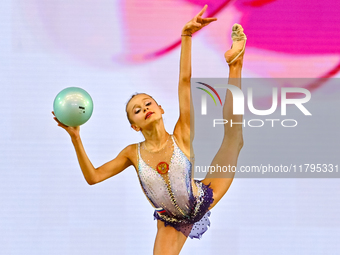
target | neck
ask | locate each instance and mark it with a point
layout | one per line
(156, 136)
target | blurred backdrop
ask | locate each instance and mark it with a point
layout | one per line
(113, 49)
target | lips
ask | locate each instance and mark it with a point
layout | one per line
(148, 115)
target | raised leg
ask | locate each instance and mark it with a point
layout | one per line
(232, 142)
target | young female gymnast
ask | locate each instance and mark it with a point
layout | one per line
(163, 162)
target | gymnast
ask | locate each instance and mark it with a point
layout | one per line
(163, 163)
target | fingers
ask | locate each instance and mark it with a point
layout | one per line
(198, 19)
(204, 22)
(202, 11)
(209, 19)
(194, 21)
(207, 22)
(59, 123)
(198, 22)
(55, 118)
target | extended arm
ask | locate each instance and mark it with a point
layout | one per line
(84, 162)
(182, 128)
(94, 175)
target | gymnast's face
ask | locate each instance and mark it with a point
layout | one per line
(143, 111)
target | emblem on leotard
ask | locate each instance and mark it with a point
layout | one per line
(160, 210)
(162, 167)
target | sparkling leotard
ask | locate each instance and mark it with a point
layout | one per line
(172, 193)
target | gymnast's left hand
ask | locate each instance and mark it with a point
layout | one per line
(197, 23)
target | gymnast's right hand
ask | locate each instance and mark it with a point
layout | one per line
(72, 131)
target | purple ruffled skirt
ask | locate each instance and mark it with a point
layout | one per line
(197, 225)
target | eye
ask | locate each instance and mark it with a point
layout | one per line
(148, 103)
(137, 111)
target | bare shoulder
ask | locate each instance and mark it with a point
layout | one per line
(131, 152)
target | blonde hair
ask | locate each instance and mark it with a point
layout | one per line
(136, 94)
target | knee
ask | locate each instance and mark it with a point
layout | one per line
(234, 140)
(239, 141)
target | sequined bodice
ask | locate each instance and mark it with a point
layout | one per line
(171, 191)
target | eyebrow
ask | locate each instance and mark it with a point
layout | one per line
(142, 99)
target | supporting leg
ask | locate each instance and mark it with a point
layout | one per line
(168, 241)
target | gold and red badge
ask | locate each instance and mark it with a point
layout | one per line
(162, 167)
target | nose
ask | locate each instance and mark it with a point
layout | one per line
(146, 108)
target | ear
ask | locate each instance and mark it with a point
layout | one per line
(136, 128)
(162, 111)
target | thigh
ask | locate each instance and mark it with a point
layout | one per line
(223, 164)
(168, 241)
